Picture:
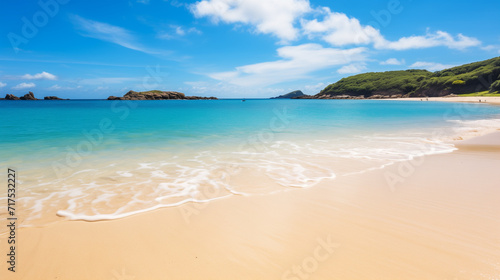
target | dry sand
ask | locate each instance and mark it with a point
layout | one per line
(488, 142)
(436, 217)
(471, 99)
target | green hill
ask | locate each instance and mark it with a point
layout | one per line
(468, 78)
(290, 95)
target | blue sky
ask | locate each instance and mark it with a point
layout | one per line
(231, 48)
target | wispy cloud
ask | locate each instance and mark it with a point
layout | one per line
(296, 63)
(68, 62)
(109, 33)
(101, 88)
(492, 48)
(352, 68)
(429, 40)
(107, 81)
(24, 86)
(176, 3)
(40, 76)
(313, 89)
(431, 66)
(393, 61)
(2, 84)
(177, 31)
(223, 89)
(58, 87)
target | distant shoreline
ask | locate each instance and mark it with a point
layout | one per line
(467, 99)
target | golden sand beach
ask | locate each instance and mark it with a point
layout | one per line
(435, 217)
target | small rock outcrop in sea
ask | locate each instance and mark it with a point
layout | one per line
(157, 95)
(52, 98)
(11, 97)
(290, 95)
(28, 96)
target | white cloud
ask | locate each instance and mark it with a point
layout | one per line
(24, 86)
(338, 29)
(226, 90)
(143, 1)
(176, 3)
(55, 87)
(429, 40)
(313, 89)
(194, 30)
(177, 31)
(352, 68)
(40, 76)
(276, 17)
(393, 61)
(106, 81)
(491, 48)
(180, 31)
(431, 66)
(58, 87)
(109, 33)
(296, 63)
(2, 84)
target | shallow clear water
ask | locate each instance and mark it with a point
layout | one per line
(97, 160)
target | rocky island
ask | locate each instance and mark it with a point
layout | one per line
(53, 98)
(29, 96)
(158, 95)
(293, 94)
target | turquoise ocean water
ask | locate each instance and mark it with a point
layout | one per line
(95, 159)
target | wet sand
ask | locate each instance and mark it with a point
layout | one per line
(435, 217)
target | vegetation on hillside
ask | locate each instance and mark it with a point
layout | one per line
(482, 93)
(495, 86)
(465, 79)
